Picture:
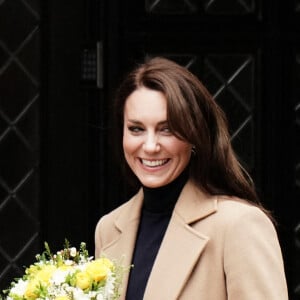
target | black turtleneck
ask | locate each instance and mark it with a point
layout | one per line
(155, 216)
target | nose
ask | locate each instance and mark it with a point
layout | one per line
(151, 143)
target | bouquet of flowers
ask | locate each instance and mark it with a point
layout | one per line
(70, 274)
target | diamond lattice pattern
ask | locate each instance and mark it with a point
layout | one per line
(233, 7)
(19, 136)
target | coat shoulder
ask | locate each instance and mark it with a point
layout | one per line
(234, 209)
(107, 220)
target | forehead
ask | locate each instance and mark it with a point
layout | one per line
(144, 104)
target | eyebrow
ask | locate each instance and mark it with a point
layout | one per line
(139, 122)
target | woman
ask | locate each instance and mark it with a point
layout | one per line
(195, 229)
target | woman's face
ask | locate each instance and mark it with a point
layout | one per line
(154, 154)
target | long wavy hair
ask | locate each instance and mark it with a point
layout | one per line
(195, 117)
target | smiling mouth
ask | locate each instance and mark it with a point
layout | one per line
(154, 163)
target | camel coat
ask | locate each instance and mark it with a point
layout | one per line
(215, 248)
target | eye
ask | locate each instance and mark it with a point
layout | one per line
(166, 129)
(135, 129)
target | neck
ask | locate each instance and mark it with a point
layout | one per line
(163, 199)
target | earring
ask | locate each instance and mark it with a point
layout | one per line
(194, 150)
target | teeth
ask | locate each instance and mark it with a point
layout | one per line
(154, 163)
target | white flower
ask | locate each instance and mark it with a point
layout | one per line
(69, 262)
(19, 288)
(78, 294)
(109, 287)
(73, 251)
(100, 297)
(59, 276)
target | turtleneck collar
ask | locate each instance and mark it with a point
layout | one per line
(163, 199)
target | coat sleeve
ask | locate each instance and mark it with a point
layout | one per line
(253, 261)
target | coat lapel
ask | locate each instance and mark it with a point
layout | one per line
(182, 245)
(126, 226)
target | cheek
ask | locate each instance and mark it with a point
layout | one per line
(180, 148)
(126, 149)
(130, 144)
(183, 154)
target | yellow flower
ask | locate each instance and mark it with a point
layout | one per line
(83, 280)
(45, 273)
(106, 262)
(38, 276)
(64, 267)
(33, 269)
(31, 289)
(99, 268)
(62, 298)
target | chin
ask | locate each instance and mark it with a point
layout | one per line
(154, 184)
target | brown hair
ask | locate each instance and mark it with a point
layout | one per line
(195, 117)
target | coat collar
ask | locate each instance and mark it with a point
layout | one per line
(192, 206)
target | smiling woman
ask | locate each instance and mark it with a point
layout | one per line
(153, 153)
(195, 229)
